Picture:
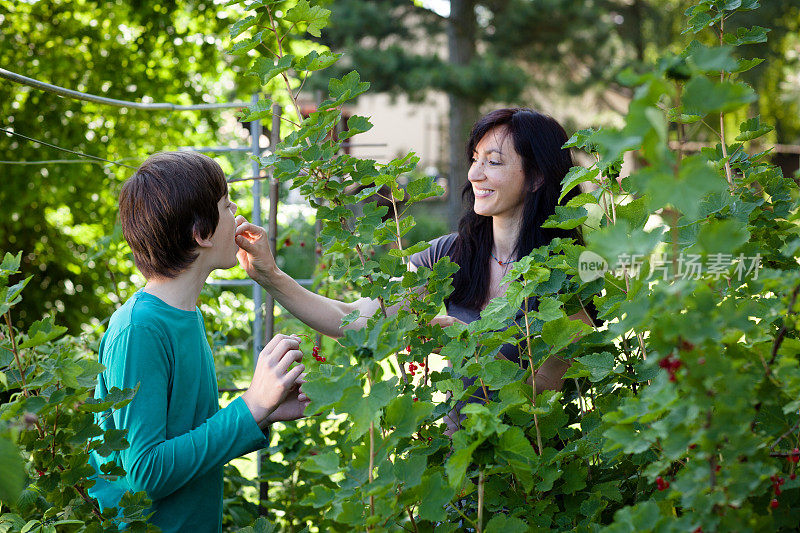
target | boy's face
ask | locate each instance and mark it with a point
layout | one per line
(224, 245)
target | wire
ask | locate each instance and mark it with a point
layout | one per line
(61, 91)
(66, 149)
(58, 161)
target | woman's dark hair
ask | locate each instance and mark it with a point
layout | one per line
(169, 198)
(539, 140)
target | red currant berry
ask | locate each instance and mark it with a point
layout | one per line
(698, 529)
(416, 399)
(287, 241)
(793, 476)
(408, 348)
(661, 484)
(302, 244)
(774, 503)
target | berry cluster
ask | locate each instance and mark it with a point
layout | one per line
(412, 368)
(777, 482)
(795, 456)
(671, 364)
(661, 484)
(317, 356)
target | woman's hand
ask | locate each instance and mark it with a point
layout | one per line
(273, 380)
(254, 254)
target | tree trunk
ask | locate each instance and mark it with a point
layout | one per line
(461, 39)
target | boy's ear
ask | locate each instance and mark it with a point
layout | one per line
(203, 242)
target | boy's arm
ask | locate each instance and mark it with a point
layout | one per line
(155, 464)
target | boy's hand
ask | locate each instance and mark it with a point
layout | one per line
(294, 406)
(254, 254)
(273, 379)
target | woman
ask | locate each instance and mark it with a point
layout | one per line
(517, 165)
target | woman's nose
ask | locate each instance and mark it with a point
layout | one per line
(475, 172)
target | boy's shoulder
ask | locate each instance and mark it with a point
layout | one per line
(145, 312)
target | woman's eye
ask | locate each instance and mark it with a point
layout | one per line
(494, 162)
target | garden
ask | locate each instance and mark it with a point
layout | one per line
(680, 409)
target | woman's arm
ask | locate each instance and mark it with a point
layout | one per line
(550, 375)
(318, 312)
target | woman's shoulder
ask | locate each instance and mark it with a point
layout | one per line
(439, 247)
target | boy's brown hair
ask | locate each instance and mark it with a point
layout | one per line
(170, 197)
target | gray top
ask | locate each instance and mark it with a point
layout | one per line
(441, 247)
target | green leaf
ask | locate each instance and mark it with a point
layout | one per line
(13, 479)
(722, 236)
(241, 25)
(405, 414)
(10, 296)
(566, 217)
(635, 212)
(313, 61)
(595, 366)
(324, 463)
(355, 125)
(753, 129)
(266, 69)
(42, 331)
(743, 36)
(575, 177)
(561, 332)
(315, 17)
(348, 87)
(702, 96)
(409, 470)
(712, 59)
(696, 180)
(434, 495)
(515, 448)
(10, 264)
(262, 525)
(423, 187)
(501, 523)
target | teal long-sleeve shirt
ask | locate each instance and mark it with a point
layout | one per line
(179, 437)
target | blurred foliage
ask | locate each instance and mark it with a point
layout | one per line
(63, 215)
(569, 46)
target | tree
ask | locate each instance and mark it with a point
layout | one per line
(63, 214)
(510, 51)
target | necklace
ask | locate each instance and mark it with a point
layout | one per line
(501, 263)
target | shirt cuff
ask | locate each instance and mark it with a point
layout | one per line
(252, 436)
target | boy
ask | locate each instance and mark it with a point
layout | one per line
(179, 222)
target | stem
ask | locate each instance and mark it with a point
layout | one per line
(533, 378)
(728, 173)
(16, 353)
(479, 526)
(411, 517)
(397, 224)
(782, 333)
(371, 466)
(791, 430)
(681, 130)
(283, 74)
(465, 517)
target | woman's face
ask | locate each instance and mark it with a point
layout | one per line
(497, 177)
